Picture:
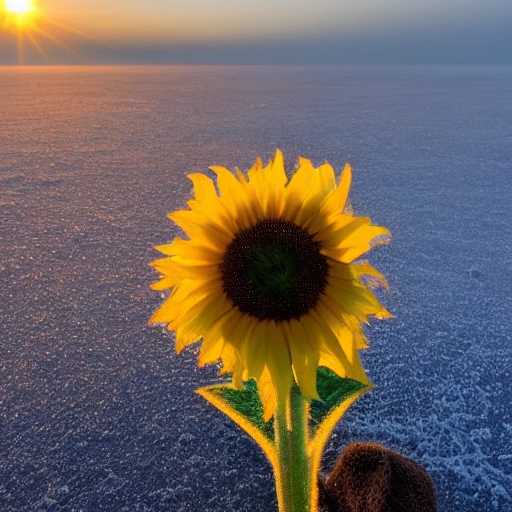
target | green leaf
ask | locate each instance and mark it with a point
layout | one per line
(333, 391)
(245, 409)
(247, 403)
(337, 396)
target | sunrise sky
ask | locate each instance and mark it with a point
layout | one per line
(263, 31)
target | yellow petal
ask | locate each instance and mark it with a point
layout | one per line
(344, 186)
(366, 235)
(214, 340)
(254, 347)
(357, 371)
(164, 284)
(162, 313)
(259, 187)
(337, 234)
(278, 360)
(204, 189)
(181, 298)
(374, 278)
(329, 212)
(327, 178)
(201, 315)
(305, 192)
(342, 332)
(267, 394)
(191, 249)
(231, 364)
(277, 174)
(194, 269)
(168, 311)
(228, 185)
(184, 338)
(331, 347)
(199, 226)
(322, 184)
(356, 300)
(210, 351)
(241, 176)
(368, 240)
(276, 179)
(304, 360)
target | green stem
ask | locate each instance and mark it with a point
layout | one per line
(293, 477)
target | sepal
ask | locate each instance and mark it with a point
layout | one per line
(245, 409)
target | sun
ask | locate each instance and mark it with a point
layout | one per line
(19, 15)
(27, 21)
(18, 6)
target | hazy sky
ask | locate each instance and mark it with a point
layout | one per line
(261, 31)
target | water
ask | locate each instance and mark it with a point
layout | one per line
(97, 411)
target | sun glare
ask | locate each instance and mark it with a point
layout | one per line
(18, 6)
(30, 25)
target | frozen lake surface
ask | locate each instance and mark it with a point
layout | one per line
(97, 413)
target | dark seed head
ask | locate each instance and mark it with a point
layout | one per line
(274, 271)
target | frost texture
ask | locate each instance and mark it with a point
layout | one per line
(98, 413)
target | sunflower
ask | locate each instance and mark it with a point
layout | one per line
(267, 277)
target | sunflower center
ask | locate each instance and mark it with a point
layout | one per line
(274, 270)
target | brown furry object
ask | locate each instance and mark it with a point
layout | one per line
(368, 477)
